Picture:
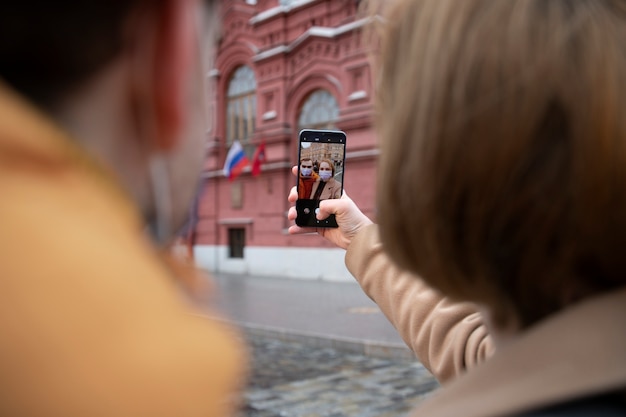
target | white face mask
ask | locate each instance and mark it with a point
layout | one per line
(160, 220)
(306, 172)
(325, 175)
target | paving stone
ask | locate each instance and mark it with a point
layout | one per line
(294, 379)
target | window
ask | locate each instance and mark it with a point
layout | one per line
(319, 111)
(241, 107)
(236, 242)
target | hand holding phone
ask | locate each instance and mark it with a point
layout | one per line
(321, 157)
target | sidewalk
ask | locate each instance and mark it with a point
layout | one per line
(318, 313)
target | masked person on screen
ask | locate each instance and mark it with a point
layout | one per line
(326, 187)
(308, 177)
(499, 250)
(101, 137)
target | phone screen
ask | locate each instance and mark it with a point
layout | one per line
(321, 158)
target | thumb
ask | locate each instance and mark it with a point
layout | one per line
(328, 207)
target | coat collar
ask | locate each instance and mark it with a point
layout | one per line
(580, 351)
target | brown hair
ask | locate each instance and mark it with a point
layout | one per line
(49, 47)
(503, 158)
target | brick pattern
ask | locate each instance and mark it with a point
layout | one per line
(294, 379)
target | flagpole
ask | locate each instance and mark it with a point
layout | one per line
(217, 183)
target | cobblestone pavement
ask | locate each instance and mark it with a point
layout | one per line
(291, 379)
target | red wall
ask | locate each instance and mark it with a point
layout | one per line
(315, 45)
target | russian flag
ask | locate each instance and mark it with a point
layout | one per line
(236, 161)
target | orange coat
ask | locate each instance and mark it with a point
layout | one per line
(92, 321)
(302, 194)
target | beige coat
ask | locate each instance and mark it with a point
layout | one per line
(578, 352)
(332, 189)
(92, 321)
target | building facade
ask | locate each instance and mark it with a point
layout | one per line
(282, 66)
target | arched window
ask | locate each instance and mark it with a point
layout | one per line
(319, 111)
(241, 106)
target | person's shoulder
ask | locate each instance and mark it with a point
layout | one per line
(606, 405)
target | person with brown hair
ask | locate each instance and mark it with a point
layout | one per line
(502, 186)
(326, 186)
(101, 138)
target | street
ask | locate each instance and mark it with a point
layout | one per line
(291, 379)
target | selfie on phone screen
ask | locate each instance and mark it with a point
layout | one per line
(321, 159)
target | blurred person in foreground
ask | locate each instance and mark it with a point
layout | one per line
(100, 135)
(502, 185)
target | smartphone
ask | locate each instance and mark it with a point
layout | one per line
(321, 158)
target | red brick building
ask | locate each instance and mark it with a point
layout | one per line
(282, 66)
